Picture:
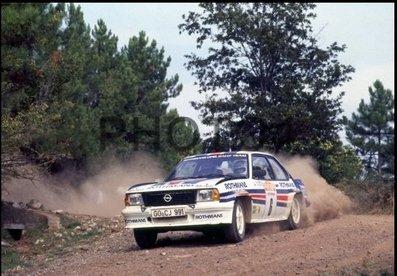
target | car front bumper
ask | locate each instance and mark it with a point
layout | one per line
(199, 214)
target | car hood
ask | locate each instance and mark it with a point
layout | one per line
(183, 184)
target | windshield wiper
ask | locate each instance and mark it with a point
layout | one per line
(213, 175)
(230, 177)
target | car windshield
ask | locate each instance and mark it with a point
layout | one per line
(231, 165)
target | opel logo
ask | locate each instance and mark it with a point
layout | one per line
(167, 197)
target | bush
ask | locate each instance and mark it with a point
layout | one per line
(372, 195)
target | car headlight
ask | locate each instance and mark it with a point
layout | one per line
(208, 195)
(133, 199)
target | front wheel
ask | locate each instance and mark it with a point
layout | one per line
(295, 216)
(145, 238)
(235, 232)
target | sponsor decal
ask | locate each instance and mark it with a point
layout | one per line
(214, 156)
(135, 220)
(258, 184)
(286, 185)
(235, 185)
(174, 183)
(180, 184)
(208, 216)
(256, 209)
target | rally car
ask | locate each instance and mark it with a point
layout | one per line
(224, 191)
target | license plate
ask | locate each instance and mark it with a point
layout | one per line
(171, 212)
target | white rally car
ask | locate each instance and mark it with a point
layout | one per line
(223, 191)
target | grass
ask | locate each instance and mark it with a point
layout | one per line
(68, 222)
(10, 258)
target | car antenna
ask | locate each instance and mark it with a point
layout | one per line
(230, 139)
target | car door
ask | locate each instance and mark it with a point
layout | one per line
(263, 176)
(285, 188)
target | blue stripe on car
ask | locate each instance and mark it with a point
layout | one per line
(281, 204)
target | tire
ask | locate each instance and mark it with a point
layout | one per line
(145, 238)
(235, 232)
(296, 214)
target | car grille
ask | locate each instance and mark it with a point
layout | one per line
(175, 198)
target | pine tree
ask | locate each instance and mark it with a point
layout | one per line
(371, 131)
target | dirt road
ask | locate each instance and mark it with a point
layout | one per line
(347, 245)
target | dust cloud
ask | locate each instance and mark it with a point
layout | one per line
(327, 202)
(103, 194)
(100, 195)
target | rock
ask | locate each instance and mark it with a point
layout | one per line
(83, 247)
(29, 218)
(58, 211)
(34, 204)
(39, 241)
(3, 243)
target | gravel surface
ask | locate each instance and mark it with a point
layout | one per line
(347, 245)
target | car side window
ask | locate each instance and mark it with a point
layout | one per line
(279, 171)
(261, 168)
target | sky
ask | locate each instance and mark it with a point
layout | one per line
(367, 29)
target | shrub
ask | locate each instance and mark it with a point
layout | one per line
(372, 195)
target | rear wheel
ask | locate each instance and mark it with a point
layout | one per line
(235, 232)
(145, 238)
(296, 215)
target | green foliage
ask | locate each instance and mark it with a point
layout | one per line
(25, 50)
(273, 84)
(17, 132)
(371, 131)
(180, 138)
(69, 94)
(371, 195)
(336, 162)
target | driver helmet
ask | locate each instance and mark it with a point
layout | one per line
(240, 167)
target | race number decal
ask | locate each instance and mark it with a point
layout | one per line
(269, 187)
